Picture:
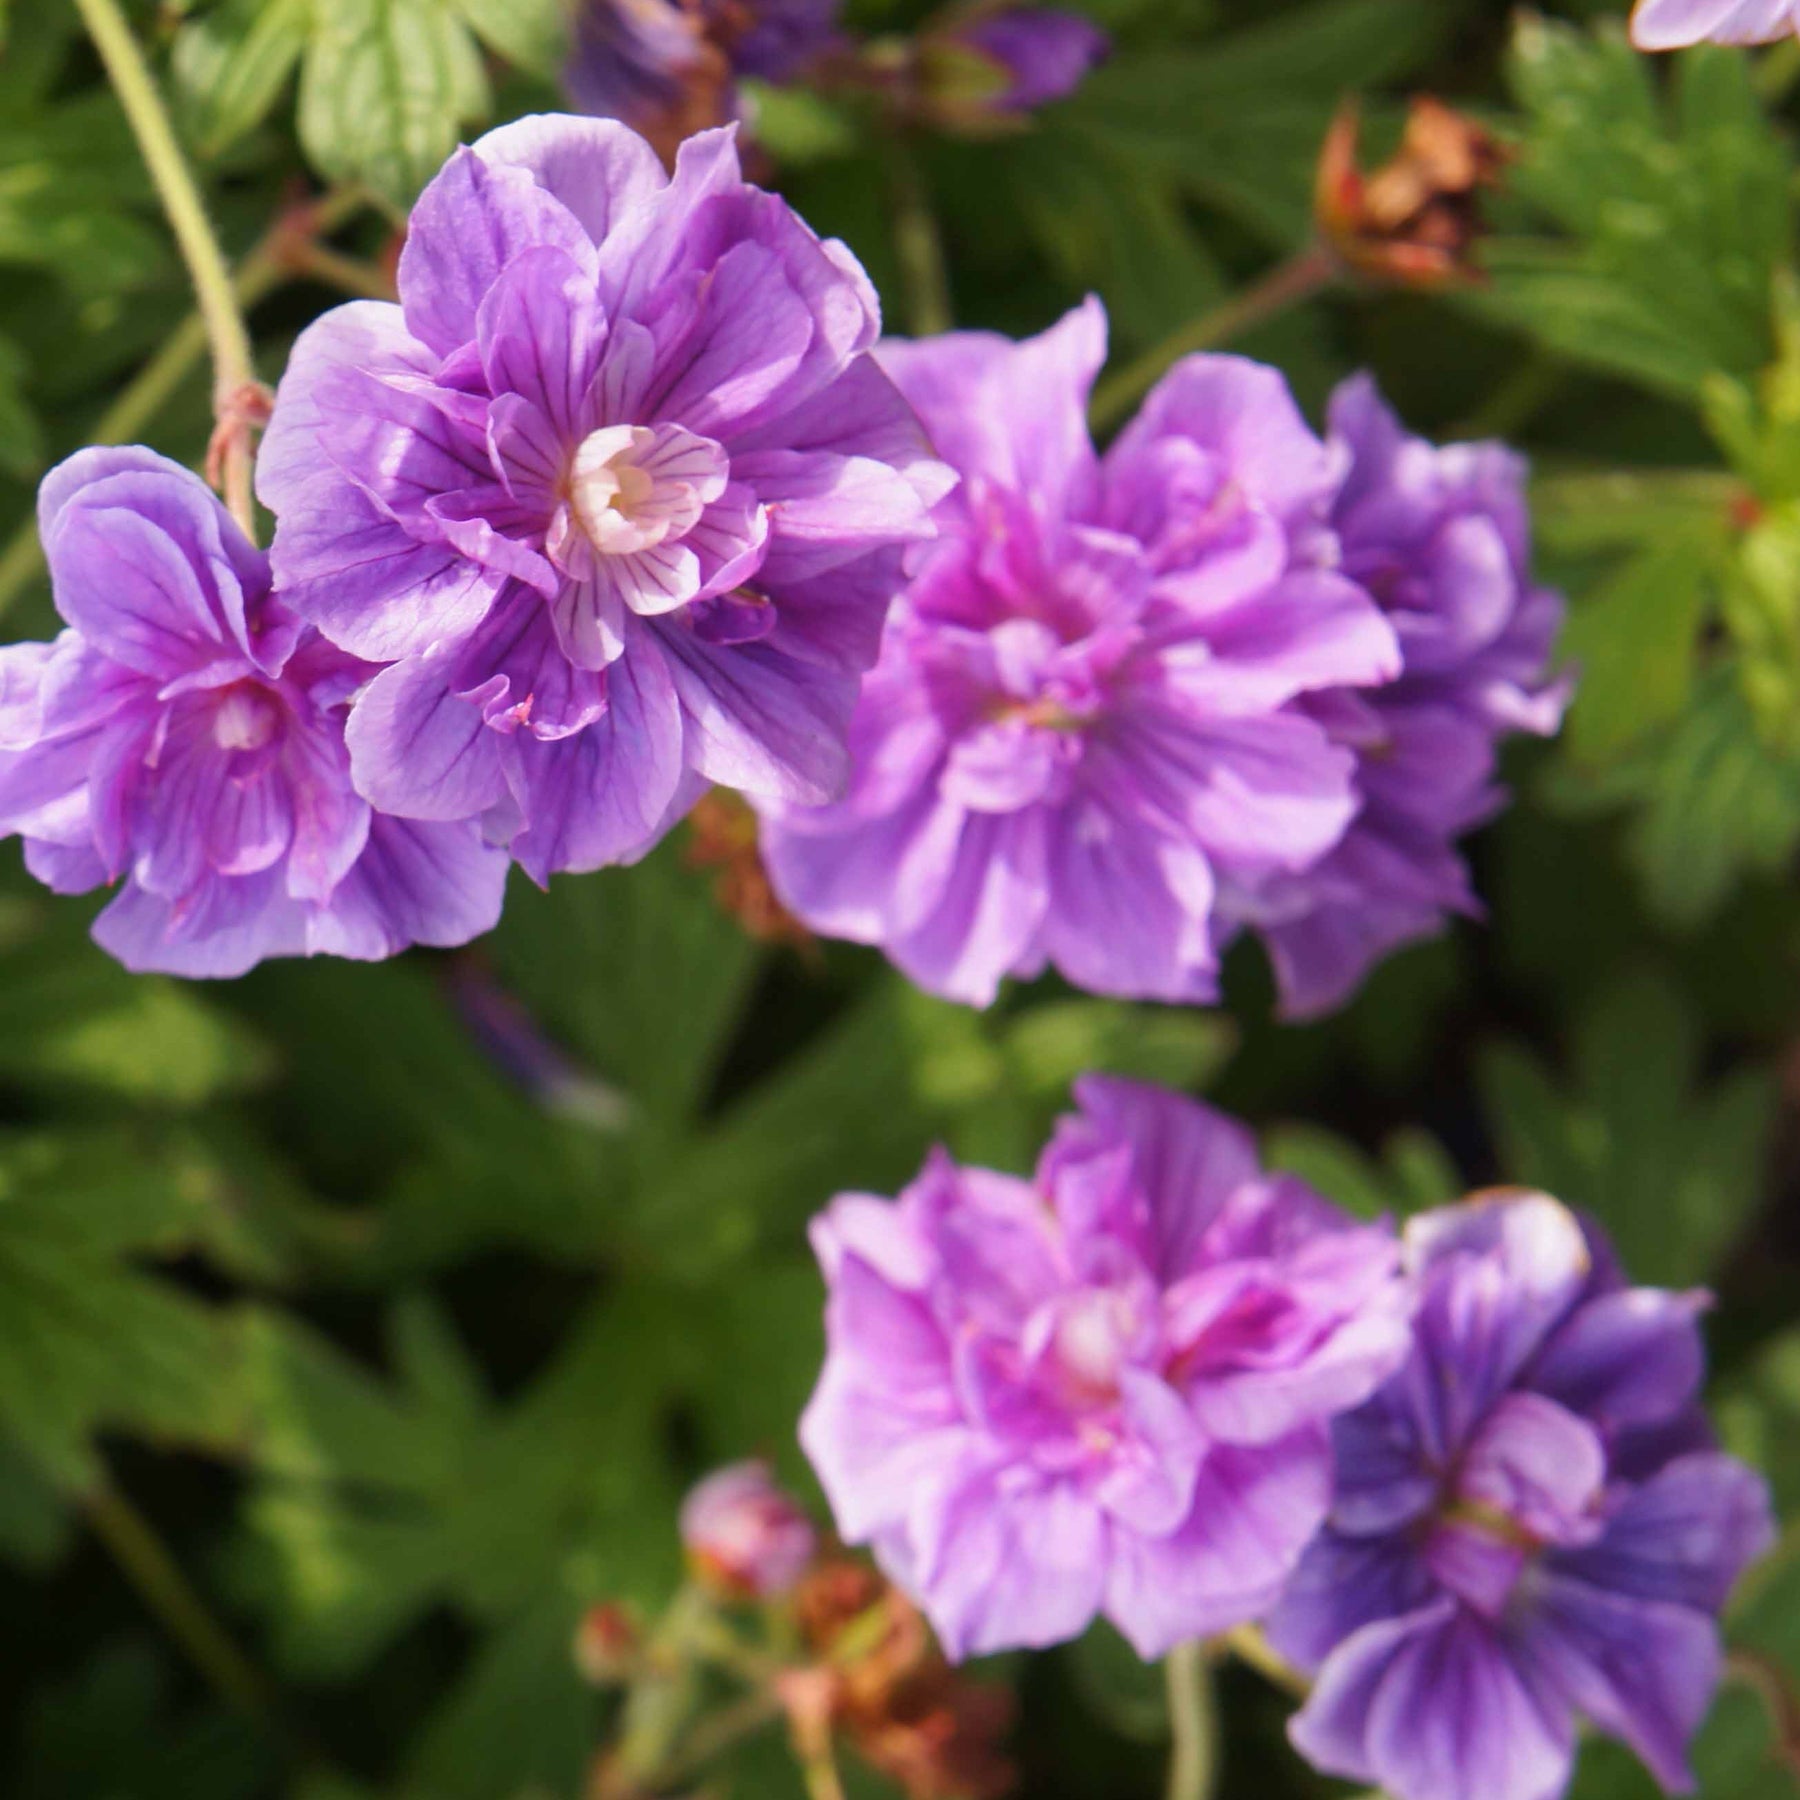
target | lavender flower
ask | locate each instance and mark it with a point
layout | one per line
(1531, 1525)
(745, 1535)
(186, 734)
(1104, 1389)
(1038, 53)
(1441, 538)
(1084, 717)
(1670, 24)
(670, 67)
(615, 488)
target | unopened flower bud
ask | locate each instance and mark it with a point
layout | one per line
(1415, 221)
(993, 64)
(608, 1645)
(745, 1537)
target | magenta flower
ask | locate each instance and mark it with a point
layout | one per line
(1101, 1390)
(185, 735)
(615, 488)
(1084, 719)
(1531, 1525)
(1671, 24)
(1441, 538)
(1041, 52)
(745, 1535)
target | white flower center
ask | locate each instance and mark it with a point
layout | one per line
(246, 718)
(633, 487)
(1093, 1339)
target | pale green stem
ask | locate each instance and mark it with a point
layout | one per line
(233, 368)
(1249, 1645)
(275, 260)
(918, 244)
(1193, 1724)
(147, 1564)
(1287, 284)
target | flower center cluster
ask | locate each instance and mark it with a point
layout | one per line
(246, 717)
(633, 487)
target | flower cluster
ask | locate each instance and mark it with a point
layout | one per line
(1531, 1526)
(1226, 675)
(1672, 24)
(184, 737)
(1102, 1390)
(1468, 1476)
(610, 506)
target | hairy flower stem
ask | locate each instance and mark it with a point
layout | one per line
(280, 257)
(234, 371)
(1303, 275)
(918, 245)
(1249, 1645)
(147, 1564)
(1193, 1723)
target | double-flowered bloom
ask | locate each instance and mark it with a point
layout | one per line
(1671, 24)
(185, 737)
(1227, 676)
(1084, 721)
(1532, 1526)
(1101, 1390)
(615, 490)
(1441, 539)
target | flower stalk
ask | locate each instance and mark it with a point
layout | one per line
(221, 314)
(153, 1572)
(918, 243)
(280, 257)
(1306, 273)
(1193, 1723)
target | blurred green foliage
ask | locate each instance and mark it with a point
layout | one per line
(406, 1300)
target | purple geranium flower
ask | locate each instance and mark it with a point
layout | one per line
(1531, 1525)
(1042, 53)
(1104, 1389)
(1670, 24)
(667, 66)
(615, 488)
(1441, 538)
(186, 734)
(1084, 716)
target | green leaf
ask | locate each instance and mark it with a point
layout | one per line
(1413, 1172)
(1712, 803)
(1664, 222)
(113, 1729)
(1239, 121)
(1635, 638)
(21, 436)
(379, 1500)
(384, 90)
(533, 34)
(1128, 1695)
(230, 63)
(88, 1341)
(1669, 1164)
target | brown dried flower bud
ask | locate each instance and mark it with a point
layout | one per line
(1415, 221)
(722, 838)
(608, 1645)
(909, 1714)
